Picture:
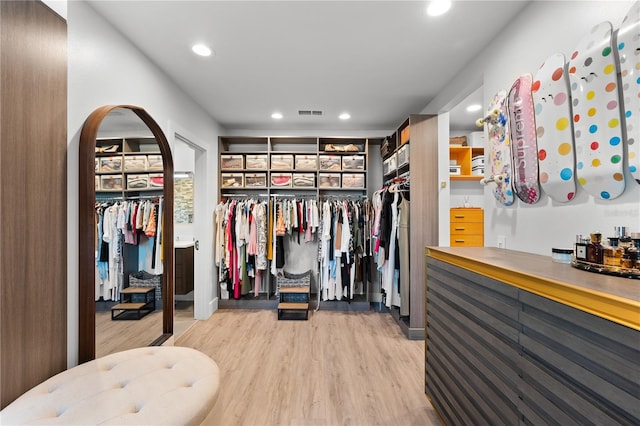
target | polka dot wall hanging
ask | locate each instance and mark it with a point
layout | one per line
(552, 103)
(628, 46)
(596, 115)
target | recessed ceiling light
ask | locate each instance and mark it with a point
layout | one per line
(344, 116)
(474, 108)
(438, 7)
(201, 50)
(276, 116)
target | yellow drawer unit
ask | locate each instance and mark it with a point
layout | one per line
(467, 227)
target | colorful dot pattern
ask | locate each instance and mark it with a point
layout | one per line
(552, 103)
(596, 115)
(500, 149)
(628, 44)
(523, 140)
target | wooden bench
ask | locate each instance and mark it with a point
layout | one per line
(293, 300)
(154, 385)
(135, 302)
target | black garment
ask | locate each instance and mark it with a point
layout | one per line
(386, 218)
(279, 252)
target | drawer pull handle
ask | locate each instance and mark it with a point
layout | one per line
(459, 216)
(459, 229)
(459, 241)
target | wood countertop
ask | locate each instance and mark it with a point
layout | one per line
(614, 298)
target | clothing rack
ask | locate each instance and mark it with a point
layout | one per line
(134, 197)
(343, 197)
(242, 196)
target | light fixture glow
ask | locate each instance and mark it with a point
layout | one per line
(438, 7)
(344, 116)
(201, 50)
(474, 108)
(276, 116)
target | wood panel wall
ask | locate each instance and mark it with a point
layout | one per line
(33, 196)
(423, 210)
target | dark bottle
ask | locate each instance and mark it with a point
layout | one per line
(594, 249)
(581, 248)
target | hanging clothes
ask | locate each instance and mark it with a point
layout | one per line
(403, 243)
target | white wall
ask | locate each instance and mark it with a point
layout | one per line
(543, 28)
(105, 69)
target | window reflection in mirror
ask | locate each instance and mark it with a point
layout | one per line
(183, 197)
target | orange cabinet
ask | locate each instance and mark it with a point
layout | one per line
(467, 227)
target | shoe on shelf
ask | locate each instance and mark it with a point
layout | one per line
(330, 148)
(351, 148)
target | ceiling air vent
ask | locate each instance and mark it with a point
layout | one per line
(305, 112)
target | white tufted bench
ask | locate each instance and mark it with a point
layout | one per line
(156, 385)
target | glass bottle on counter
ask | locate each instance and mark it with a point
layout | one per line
(594, 249)
(581, 248)
(612, 254)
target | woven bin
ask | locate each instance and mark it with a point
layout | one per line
(145, 279)
(294, 280)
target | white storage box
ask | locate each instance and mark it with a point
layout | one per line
(281, 180)
(111, 183)
(353, 180)
(138, 181)
(111, 164)
(232, 180)
(478, 160)
(330, 162)
(454, 170)
(476, 139)
(154, 162)
(329, 180)
(281, 162)
(304, 180)
(390, 164)
(156, 180)
(353, 162)
(403, 155)
(135, 163)
(255, 180)
(306, 162)
(231, 162)
(256, 162)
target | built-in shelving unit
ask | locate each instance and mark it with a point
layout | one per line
(469, 163)
(313, 167)
(301, 165)
(128, 167)
(411, 152)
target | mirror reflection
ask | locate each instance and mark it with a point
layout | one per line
(128, 222)
(183, 197)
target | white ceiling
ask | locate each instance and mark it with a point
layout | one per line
(377, 60)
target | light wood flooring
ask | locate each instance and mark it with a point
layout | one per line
(113, 336)
(337, 368)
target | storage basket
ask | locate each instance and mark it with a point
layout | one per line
(294, 280)
(145, 279)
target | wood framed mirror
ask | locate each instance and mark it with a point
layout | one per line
(87, 222)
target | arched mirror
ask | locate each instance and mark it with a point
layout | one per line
(126, 257)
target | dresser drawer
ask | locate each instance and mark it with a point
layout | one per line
(467, 240)
(461, 228)
(467, 215)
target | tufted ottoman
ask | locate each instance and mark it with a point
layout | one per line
(156, 385)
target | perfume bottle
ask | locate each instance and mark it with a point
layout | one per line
(581, 248)
(594, 249)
